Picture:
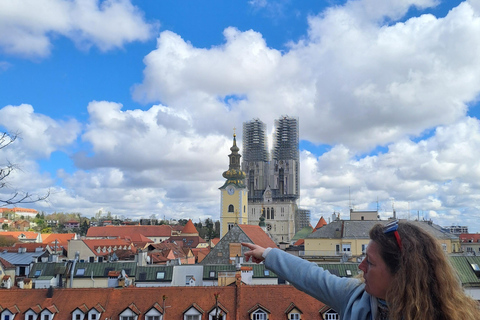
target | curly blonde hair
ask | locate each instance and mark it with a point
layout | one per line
(425, 286)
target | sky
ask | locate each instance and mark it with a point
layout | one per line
(129, 107)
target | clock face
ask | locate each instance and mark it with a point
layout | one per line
(230, 190)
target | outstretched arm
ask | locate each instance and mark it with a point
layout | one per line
(255, 253)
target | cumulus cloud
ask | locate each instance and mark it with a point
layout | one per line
(437, 177)
(28, 26)
(361, 78)
(39, 135)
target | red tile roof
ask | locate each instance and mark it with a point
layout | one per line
(93, 244)
(258, 236)
(18, 210)
(237, 301)
(6, 264)
(61, 238)
(189, 228)
(122, 231)
(320, 224)
(28, 234)
(469, 237)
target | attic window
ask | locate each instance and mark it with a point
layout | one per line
(38, 273)
(160, 275)
(80, 272)
(349, 272)
(212, 274)
(266, 273)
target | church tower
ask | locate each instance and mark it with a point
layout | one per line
(234, 194)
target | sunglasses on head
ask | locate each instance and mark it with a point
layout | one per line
(393, 227)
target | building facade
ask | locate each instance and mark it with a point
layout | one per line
(273, 182)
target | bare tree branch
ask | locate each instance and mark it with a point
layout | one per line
(17, 196)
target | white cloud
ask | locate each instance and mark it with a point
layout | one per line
(29, 25)
(437, 176)
(352, 81)
(39, 135)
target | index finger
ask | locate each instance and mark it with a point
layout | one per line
(248, 245)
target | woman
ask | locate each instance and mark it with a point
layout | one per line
(406, 276)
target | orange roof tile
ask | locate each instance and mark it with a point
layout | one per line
(18, 210)
(236, 301)
(61, 238)
(28, 234)
(93, 244)
(320, 224)
(258, 236)
(189, 228)
(122, 231)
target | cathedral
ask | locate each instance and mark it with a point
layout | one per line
(263, 188)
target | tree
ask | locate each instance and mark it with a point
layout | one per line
(6, 241)
(6, 169)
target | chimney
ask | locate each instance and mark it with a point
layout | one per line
(50, 292)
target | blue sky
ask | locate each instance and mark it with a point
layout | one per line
(129, 107)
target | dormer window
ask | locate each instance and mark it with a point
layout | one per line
(217, 314)
(78, 315)
(128, 314)
(259, 315)
(153, 314)
(192, 314)
(7, 315)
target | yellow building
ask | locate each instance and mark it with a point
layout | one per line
(348, 239)
(234, 194)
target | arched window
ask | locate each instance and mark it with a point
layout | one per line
(271, 214)
(230, 208)
(268, 213)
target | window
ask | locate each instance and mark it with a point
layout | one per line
(231, 208)
(80, 272)
(259, 315)
(266, 273)
(192, 314)
(160, 275)
(346, 247)
(30, 317)
(349, 272)
(294, 316)
(217, 314)
(93, 316)
(6, 317)
(78, 316)
(444, 247)
(331, 316)
(230, 226)
(37, 274)
(364, 248)
(212, 274)
(127, 318)
(46, 317)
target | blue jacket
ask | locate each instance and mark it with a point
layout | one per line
(347, 296)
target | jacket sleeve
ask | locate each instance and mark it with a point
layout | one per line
(310, 278)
